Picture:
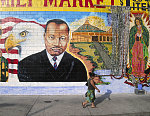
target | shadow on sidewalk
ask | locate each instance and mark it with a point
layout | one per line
(103, 97)
(6, 105)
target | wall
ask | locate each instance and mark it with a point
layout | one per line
(22, 34)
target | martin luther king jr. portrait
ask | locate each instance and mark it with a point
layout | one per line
(53, 64)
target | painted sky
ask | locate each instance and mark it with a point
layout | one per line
(43, 16)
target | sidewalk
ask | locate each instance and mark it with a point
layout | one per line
(70, 105)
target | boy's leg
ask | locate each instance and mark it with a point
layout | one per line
(84, 104)
(92, 105)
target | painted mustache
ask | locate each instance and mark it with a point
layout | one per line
(56, 49)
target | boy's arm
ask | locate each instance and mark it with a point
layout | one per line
(92, 83)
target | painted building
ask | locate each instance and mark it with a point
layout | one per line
(89, 33)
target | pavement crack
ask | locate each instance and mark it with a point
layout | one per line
(87, 107)
(32, 105)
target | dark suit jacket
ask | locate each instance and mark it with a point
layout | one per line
(37, 68)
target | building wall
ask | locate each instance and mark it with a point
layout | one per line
(87, 36)
(22, 24)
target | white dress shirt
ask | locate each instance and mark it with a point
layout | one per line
(51, 58)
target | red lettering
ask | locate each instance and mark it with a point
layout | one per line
(98, 3)
(4, 2)
(61, 3)
(30, 3)
(50, 2)
(19, 5)
(89, 1)
(80, 3)
(112, 2)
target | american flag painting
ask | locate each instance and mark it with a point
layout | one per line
(19, 39)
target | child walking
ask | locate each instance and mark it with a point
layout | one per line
(94, 79)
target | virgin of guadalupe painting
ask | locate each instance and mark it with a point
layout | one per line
(138, 48)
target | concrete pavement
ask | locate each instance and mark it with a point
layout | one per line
(70, 105)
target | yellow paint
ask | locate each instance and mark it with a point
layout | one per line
(67, 5)
(90, 52)
(7, 73)
(3, 65)
(109, 46)
(76, 57)
(3, 73)
(11, 42)
(93, 20)
(139, 3)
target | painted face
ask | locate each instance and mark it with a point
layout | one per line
(56, 38)
(137, 22)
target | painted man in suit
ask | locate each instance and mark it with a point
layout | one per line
(53, 64)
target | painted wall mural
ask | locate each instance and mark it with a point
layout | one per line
(62, 41)
(23, 36)
(138, 57)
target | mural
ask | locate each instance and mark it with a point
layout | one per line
(53, 64)
(83, 38)
(24, 36)
(88, 34)
(138, 48)
(90, 41)
(138, 60)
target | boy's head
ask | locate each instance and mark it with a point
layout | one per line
(96, 79)
(91, 74)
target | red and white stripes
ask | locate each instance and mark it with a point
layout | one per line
(12, 56)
